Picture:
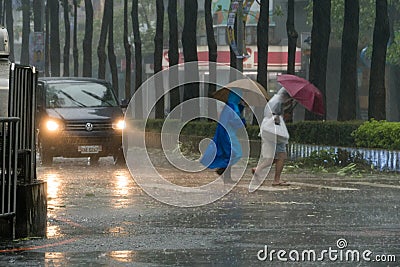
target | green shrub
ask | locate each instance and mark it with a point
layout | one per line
(378, 134)
(331, 133)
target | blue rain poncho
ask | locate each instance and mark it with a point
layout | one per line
(227, 149)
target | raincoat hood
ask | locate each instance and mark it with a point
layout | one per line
(234, 96)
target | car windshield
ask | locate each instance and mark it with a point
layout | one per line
(79, 94)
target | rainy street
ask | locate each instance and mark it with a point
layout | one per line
(98, 216)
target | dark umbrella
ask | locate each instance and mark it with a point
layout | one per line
(303, 92)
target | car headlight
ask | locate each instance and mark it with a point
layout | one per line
(119, 125)
(52, 125)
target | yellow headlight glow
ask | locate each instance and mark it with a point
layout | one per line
(52, 125)
(119, 125)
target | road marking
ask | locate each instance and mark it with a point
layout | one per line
(376, 185)
(337, 188)
(271, 188)
(288, 203)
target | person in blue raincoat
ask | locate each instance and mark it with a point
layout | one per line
(225, 150)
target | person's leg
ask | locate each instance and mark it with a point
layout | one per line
(280, 157)
(279, 163)
(268, 147)
(264, 164)
(227, 175)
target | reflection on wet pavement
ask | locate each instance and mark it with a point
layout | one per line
(98, 216)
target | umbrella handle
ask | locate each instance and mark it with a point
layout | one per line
(289, 110)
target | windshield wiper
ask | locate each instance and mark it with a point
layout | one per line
(72, 99)
(97, 97)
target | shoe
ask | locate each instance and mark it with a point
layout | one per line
(281, 184)
(253, 170)
(220, 171)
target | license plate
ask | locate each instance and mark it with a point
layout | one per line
(90, 149)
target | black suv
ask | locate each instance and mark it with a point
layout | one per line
(78, 117)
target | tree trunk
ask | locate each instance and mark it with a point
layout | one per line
(10, 28)
(67, 45)
(1, 13)
(37, 15)
(347, 109)
(112, 59)
(47, 41)
(320, 33)
(189, 44)
(262, 57)
(87, 40)
(138, 59)
(292, 40)
(173, 54)
(262, 43)
(128, 54)
(158, 53)
(232, 57)
(212, 57)
(292, 37)
(25, 32)
(101, 48)
(377, 90)
(75, 40)
(55, 38)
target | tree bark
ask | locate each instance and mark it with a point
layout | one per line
(25, 31)
(232, 57)
(377, 90)
(212, 56)
(138, 59)
(173, 54)
(10, 28)
(55, 38)
(87, 40)
(320, 34)
(112, 59)
(37, 15)
(101, 53)
(292, 38)
(158, 53)
(128, 54)
(262, 43)
(189, 44)
(47, 41)
(347, 109)
(1, 13)
(67, 45)
(75, 40)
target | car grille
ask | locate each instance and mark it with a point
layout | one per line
(90, 141)
(81, 126)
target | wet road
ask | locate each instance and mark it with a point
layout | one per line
(98, 216)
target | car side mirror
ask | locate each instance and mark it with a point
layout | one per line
(124, 103)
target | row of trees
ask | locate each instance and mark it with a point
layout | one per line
(321, 30)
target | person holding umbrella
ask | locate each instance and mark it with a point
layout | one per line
(294, 88)
(225, 150)
(274, 136)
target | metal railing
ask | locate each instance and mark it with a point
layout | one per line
(8, 166)
(381, 159)
(22, 104)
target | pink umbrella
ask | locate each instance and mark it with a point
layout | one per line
(303, 92)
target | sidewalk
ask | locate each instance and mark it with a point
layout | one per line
(98, 216)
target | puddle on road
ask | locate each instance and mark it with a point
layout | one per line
(220, 257)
